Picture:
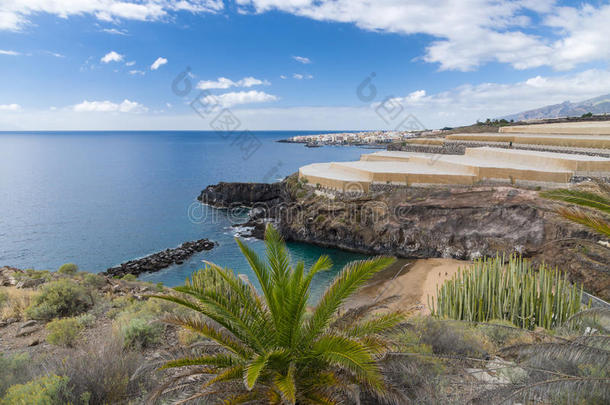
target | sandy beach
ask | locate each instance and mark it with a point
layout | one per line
(412, 280)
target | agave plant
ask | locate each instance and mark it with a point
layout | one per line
(269, 347)
(596, 200)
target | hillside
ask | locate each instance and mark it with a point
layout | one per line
(598, 105)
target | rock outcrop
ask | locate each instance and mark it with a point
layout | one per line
(456, 222)
(226, 195)
(160, 260)
(10, 276)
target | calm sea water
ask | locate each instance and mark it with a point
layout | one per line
(101, 198)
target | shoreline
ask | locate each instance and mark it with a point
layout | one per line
(413, 280)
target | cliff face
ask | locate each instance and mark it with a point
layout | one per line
(462, 223)
(225, 195)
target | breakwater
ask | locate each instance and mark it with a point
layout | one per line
(160, 260)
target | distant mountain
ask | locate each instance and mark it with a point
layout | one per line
(597, 105)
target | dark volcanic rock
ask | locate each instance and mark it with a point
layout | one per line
(160, 260)
(225, 195)
(453, 222)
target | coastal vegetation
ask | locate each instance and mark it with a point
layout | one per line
(59, 298)
(515, 291)
(118, 344)
(596, 204)
(429, 361)
(271, 348)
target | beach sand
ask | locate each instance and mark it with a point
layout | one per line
(412, 280)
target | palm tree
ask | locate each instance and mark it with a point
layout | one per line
(270, 347)
(599, 200)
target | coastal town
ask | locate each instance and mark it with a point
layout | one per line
(357, 138)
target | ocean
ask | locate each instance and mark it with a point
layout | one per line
(98, 199)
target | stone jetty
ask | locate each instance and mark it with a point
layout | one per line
(160, 260)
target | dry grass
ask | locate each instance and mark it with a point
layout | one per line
(17, 300)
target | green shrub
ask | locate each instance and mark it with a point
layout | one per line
(104, 372)
(140, 333)
(68, 268)
(119, 304)
(47, 390)
(502, 332)
(94, 280)
(452, 338)
(59, 299)
(63, 332)
(13, 370)
(85, 320)
(45, 274)
(129, 277)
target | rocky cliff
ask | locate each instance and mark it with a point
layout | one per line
(225, 195)
(463, 223)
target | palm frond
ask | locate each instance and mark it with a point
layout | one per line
(221, 303)
(357, 313)
(253, 311)
(572, 389)
(277, 255)
(238, 399)
(579, 197)
(594, 222)
(217, 360)
(352, 356)
(588, 313)
(600, 341)
(604, 187)
(257, 266)
(286, 385)
(210, 331)
(539, 353)
(254, 370)
(351, 278)
(377, 324)
(228, 374)
(318, 399)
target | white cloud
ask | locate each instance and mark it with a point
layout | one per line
(55, 54)
(283, 77)
(240, 97)
(302, 59)
(158, 63)
(467, 103)
(137, 72)
(17, 13)
(458, 106)
(224, 83)
(299, 76)
(467, 34)
(133, 62)
(11, 53)
(220, 83)
(107, 106)
(111, 56)
(10, 107)
(115, 31)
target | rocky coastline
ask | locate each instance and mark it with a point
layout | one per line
(160, 260)
(415, 223)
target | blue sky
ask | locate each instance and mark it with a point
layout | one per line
(294, 64)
